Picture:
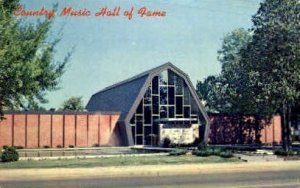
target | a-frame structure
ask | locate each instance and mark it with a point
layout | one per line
(161, 95)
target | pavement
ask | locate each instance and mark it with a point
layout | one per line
(145, 171)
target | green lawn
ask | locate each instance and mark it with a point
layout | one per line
(115, 161)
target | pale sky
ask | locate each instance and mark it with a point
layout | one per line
(111, 49)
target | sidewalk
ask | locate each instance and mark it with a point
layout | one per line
(143, 171)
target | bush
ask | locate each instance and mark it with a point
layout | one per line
(282, 152)
(71, 146)
(216, 152)
(96, 145)
(10, 154)
(226, 154)
(178, 152)
(202, 146)
(4, 147)
(166, 142)
(59, 146)
(19, 147)
(46, 147)
(201, 153)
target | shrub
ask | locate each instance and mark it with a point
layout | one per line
(201, 153)
(59, 146)
(216, 152)
(71, 146)
(226, 154)
(96, 145)
(19, 147)
(46, 146)
(4, 147)
(178, 152)
(10, 154)
(166, 142)
(202, 146)
(282, 152)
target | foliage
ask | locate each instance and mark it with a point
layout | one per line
(272, 59)
(207, 151)
(226, 154)
(202, 146)
(9, 154)
(178, 152)
(282, 152)
(222, 92)
(59, 146)
(201, 153)
(27, 66)
(73, 104)
(96, 145)
(166, 142)
(260, 69)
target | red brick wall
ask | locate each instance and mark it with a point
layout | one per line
(40, 130)
(69, 135)
(226, 129)
(93, 131)
(19, 130)
(81, 131)
(57, 130)
(105, 129)
(32, 135)
(6, 127)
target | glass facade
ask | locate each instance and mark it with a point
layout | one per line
(167, 100)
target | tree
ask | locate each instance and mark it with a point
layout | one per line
(223, 93)
(72, 104)
(261, 74)
(27, 67)
(272, 59)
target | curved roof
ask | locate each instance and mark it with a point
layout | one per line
(125, 96)
(121, 96)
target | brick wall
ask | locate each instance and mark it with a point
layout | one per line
(234, 129)
(33, 130)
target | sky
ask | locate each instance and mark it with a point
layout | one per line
(110, 49)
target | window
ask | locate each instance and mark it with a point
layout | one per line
(168, 96)
(163, 78)
(171, 95)
(163, 95)
(179, 105)
(155, 85)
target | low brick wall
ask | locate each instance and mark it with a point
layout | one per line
(234, 129)
(36, 130)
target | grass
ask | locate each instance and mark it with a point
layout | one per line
(115, 161)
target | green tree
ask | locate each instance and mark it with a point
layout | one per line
(223, 92)
(27, 66)
(72, 104)
(272, 59)
(261, 73)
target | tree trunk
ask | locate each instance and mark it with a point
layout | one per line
(289, 125)
(284, 128)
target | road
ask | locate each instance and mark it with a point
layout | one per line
(265, 179)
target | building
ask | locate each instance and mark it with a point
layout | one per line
(142, 110)
(161, 98)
